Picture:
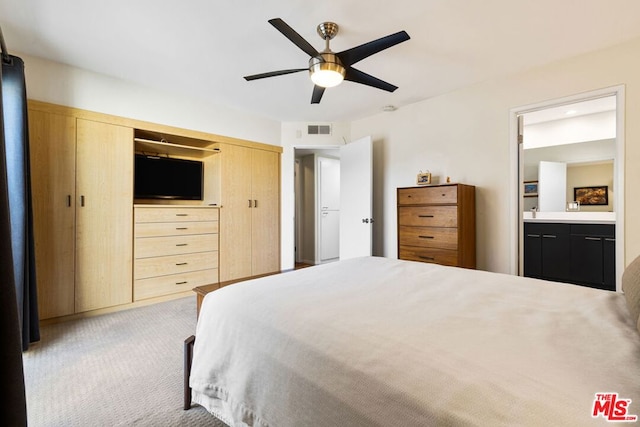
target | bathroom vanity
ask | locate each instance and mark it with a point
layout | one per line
(572, 247)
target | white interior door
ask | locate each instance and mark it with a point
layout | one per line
(552, 186)
(329, 235)
(356, 198)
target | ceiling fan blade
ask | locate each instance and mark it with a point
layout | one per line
(274, 73)
(358, 76)
(358, 53)
(318, 91)
(291, 34)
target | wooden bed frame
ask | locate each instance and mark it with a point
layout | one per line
(188, 358)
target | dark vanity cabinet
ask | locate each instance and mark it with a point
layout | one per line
(593, 257)
(583, 254)
(546, 250)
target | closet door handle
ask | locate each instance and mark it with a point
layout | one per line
(82, 201)
(249, 202)
(69, 200)
(255, 203)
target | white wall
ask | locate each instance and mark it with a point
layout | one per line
(61, 84)
(465, 134)
(591, 175)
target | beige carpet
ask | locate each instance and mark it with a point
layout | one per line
(117, 369)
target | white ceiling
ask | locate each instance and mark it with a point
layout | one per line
(567, 111)
(203, 48)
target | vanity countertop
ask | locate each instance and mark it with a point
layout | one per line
(571, 217)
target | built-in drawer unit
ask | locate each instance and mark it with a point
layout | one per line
(175, 249)
(437, 224)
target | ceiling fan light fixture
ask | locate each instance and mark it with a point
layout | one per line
(326, 70)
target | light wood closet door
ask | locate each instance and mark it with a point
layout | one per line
(104, 226)
(52, 147)
(265, 221)
(235, 214)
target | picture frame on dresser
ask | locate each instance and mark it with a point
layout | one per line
(423, 178)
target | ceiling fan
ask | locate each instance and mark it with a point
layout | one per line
(329, 69)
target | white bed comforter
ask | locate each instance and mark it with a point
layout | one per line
(381, 342)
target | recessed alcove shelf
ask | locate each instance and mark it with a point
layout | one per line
(172, 145)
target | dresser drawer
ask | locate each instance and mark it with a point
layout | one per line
(173, 245)
(174, 264)
(428, 195)
(158, 229)
(165, 214)
(435, 255)
(174, 283)
(429, 237)
(428, 216)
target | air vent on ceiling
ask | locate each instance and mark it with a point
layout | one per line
(319, 130)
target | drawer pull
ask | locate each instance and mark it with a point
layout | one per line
(182, 244)
(429, 258)
(533, 235)
(182, 228)
(182, 283)
(549, 236)
(608, 239)
(592, 238)
(182, 214)
(182, 263)
(425, 216)
(426, 237)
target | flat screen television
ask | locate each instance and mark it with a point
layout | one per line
(158, 177)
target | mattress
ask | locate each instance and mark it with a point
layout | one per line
(382, 342)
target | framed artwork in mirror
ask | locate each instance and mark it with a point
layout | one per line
(530, 189)
(598, 195)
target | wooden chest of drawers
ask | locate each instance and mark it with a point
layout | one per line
(437, 224)
(175, 249)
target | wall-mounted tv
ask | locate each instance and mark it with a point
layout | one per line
(159, 177)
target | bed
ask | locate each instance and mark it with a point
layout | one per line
(382, 342)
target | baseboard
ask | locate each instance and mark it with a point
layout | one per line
(116, 308)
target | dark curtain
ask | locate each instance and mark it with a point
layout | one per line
(13, 406)
(18, 187)
(19, 321)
